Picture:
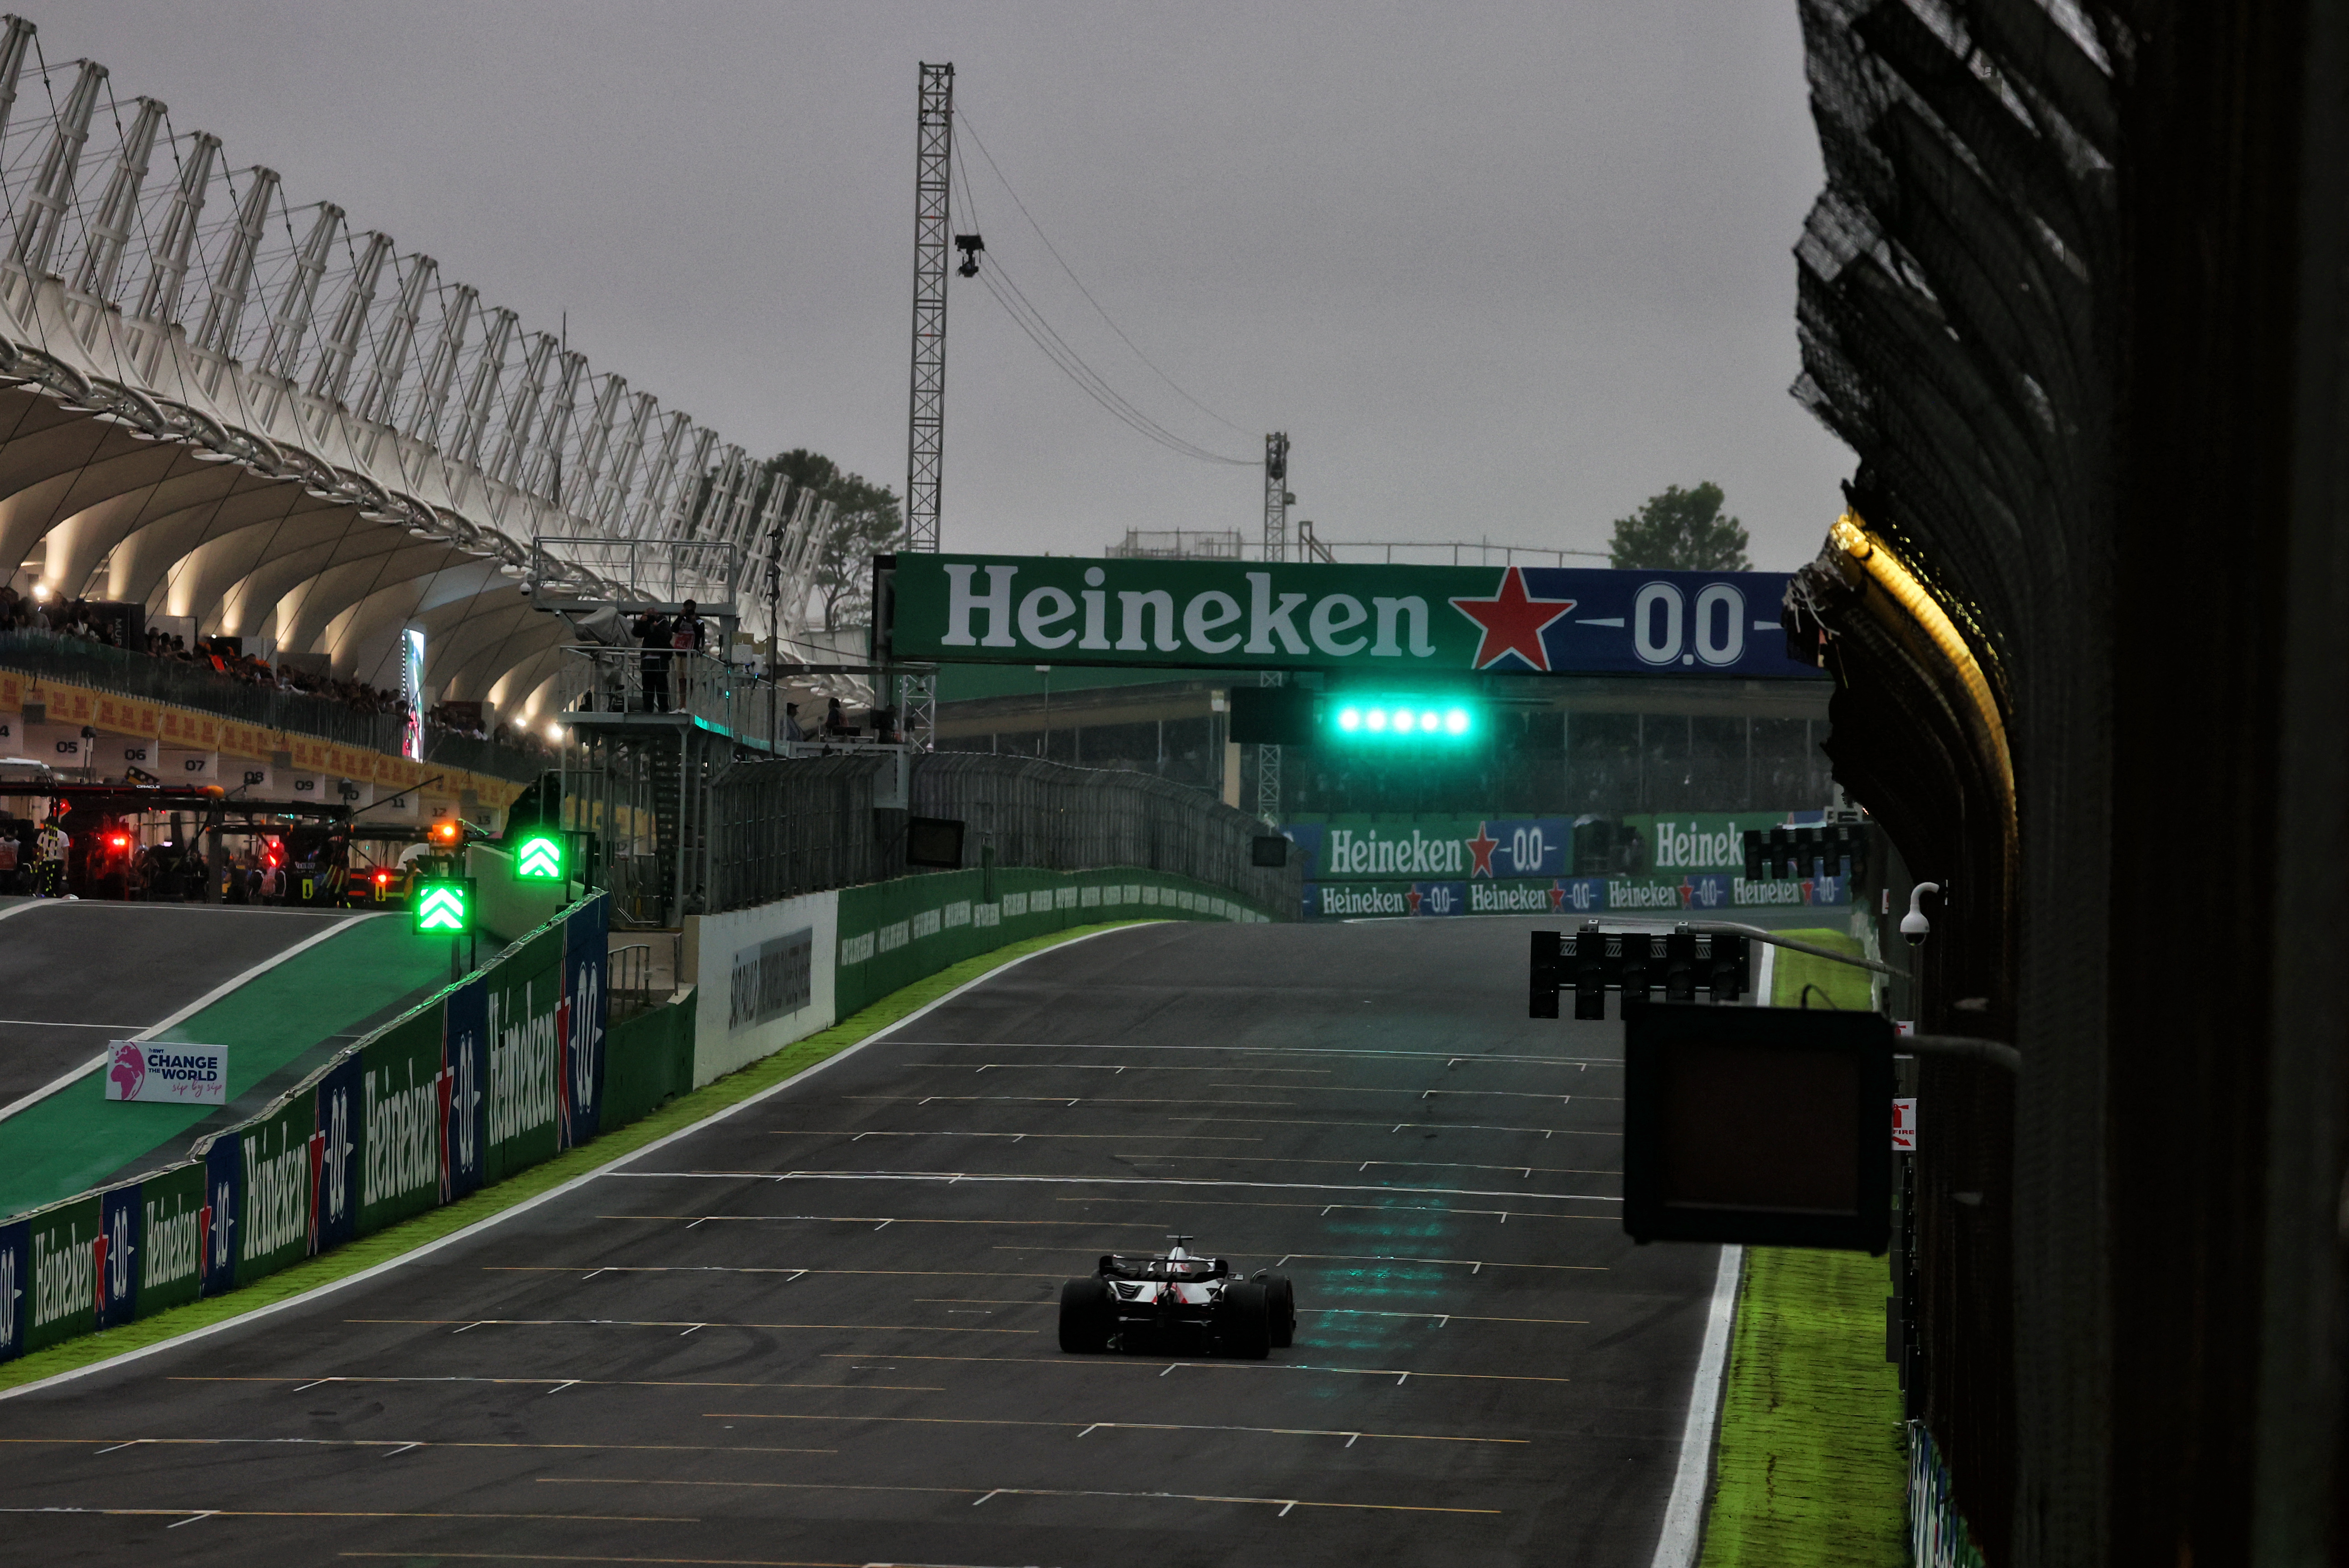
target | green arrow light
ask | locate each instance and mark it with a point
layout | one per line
(442, 907)
(539, 858)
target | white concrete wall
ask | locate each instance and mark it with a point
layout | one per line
(714, 944)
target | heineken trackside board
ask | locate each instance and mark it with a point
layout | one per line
(1371, 620)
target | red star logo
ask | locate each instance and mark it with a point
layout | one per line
(1688, 891)
(1482, 848)
(1513, 621)
(1558, 894)
(1412, 899)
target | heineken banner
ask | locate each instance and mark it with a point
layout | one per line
(1372, 621)
(1710, 894)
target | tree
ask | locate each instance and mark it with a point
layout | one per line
(1680, 531)
(866, 521)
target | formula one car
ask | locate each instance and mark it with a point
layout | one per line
(1176, 1301)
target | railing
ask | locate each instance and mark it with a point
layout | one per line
(631, 977)
(1063, 818)
(657, 681)
(207, 690)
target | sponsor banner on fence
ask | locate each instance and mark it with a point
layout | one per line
(586, 1016)
(171, 1237)
(120, 1243)
(16, 1287)
(153, 1070)
(1706, 894)
(279, 1156)
(525, 1037)
(1494, 847)
(221, 1220)
(64, 1287)
(465, 1105)
(405, 1097)
(337, 1151)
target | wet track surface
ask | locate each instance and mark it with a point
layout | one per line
(822, 1330)
(74, 975)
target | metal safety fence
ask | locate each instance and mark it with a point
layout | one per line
(781, 827)
(1062, 818)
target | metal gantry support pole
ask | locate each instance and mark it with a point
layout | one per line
(927, 415)
(1276, 499)
(1267, 765)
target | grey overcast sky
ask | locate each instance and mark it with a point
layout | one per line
(1501, 270)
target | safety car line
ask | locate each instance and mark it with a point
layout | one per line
(1360, 1165)
(190, 1515)
(1371, 1207)
(1015, 1137)
(1072, 1101)
(985, 1493)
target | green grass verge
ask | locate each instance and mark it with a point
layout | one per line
(1810, 1466)
(1842, 985)
(385, 1245)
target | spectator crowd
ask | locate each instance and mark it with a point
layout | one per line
(78, 619)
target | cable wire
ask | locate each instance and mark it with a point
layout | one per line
(1114, 327)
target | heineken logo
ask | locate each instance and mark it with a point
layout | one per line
(1385, 619)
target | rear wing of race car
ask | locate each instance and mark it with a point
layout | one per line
(1118, 1268)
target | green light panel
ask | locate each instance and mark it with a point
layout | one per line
(539, 858)
(444, 907)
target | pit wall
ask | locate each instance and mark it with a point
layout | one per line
(779, 972)
(490, 1076)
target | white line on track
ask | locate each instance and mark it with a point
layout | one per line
(1267, 1050)
(560, 1189)
(206, 1000)
(1684, 1513)
(956, 1178)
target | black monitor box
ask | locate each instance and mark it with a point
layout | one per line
(1767, 1126)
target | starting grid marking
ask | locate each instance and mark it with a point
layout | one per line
(1085, 1430)
(558, 1384)
(399, 1445)
(688, 1325)
(1473, 1265)
(959, 1178)
(1446, 1056)
(1400, 1375)
(984, 1493)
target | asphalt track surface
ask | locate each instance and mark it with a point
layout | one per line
(821, 1330)
(74, 975)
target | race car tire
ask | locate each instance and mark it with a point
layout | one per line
(1281, 1307)
(1244, 1322)
(1087, 1317)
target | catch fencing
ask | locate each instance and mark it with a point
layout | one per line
(1054, 818)
(782, 828)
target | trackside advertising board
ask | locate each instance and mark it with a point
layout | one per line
(1372, 620)
(1368, 866)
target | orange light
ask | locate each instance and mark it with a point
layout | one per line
(447, 831)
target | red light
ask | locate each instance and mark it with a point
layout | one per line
(119, 841)
(382, 878)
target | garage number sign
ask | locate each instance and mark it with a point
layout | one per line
(1382, 621)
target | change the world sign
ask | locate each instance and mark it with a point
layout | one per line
(1387, 620)
(178, 1074)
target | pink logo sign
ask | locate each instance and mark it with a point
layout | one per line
(127, 1071)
